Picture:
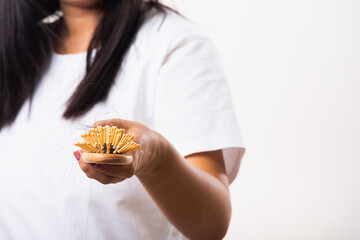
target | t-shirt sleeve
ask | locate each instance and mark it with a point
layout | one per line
(193, 108)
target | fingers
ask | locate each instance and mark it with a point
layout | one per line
(77, 154)
(120, 123)
(93, 173)
(125, 171)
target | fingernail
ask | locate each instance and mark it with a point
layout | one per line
(77, 155)
(99, 168)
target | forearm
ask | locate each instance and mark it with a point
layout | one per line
(195, 202)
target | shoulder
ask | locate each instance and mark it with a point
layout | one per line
(167, 30)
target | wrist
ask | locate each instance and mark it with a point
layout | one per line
(160, 158)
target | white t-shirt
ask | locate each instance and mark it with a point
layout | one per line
(171, 81)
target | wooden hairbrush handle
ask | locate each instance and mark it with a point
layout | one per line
(101, 158)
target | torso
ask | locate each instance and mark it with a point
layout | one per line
(45, 195)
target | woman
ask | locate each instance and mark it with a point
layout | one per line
(113, 60)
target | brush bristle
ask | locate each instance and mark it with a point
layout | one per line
(108, 140)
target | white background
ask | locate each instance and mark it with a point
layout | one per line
(294, 72)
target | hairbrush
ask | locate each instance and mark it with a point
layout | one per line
(107, 145)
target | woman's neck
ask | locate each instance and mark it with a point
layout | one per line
(80, 24)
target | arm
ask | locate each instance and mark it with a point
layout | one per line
(192, 194)
(197, 202)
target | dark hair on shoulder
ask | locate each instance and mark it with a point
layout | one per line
(26, 46)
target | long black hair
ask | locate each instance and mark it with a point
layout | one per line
(26, 45)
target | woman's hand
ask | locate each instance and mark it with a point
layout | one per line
(145, 160)
(192, 194)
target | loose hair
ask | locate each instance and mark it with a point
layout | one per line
(26, 46)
